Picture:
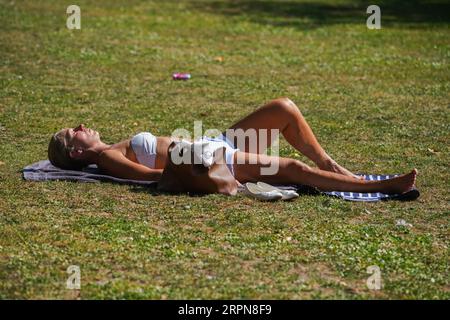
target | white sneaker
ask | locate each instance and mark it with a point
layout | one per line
(287, 194)
(253, 190)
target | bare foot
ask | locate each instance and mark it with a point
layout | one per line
(333, 166)
(402, 184)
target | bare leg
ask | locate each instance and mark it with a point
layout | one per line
(284, 115)
(294, 171)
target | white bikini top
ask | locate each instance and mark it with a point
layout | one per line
(144, 146)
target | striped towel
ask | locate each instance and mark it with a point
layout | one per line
(359, 196)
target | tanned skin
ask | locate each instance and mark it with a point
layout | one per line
(120, 161)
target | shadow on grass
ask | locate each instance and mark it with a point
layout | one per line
(152, 190)
(308, 15)
(300, 189)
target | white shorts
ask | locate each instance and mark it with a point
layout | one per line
(222, 141)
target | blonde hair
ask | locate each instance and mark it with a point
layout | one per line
(59, 153)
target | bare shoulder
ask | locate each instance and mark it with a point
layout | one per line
(110, 154)
(117, 151)
(108, 159)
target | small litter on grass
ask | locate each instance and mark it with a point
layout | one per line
(403, 223)
(432, 151)
(181, 76)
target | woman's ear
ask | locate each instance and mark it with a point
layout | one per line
(77, 154)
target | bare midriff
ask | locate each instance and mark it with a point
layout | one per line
(162, 144)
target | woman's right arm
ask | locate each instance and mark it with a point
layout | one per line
(117, 165)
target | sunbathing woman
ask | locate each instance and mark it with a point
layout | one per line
(143, 157)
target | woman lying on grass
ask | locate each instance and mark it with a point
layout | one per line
(143, 157)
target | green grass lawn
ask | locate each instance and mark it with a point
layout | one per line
(377, 99)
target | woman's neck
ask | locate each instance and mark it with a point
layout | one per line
(94, 152)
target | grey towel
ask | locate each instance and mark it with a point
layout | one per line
(44, 170)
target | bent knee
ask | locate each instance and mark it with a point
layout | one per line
(299, 166)
(285, 104)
